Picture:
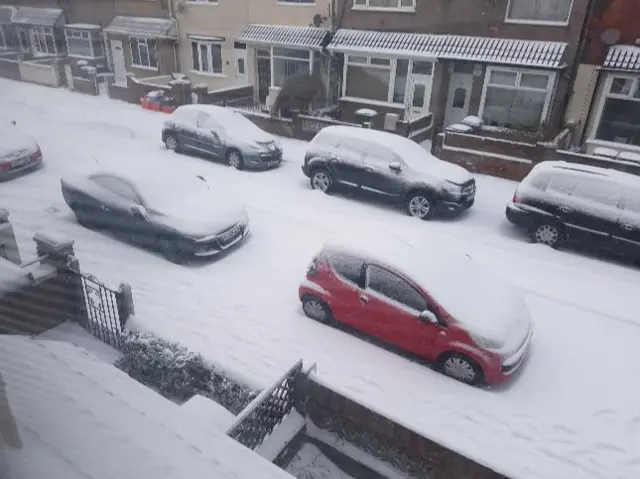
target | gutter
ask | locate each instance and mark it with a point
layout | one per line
(177, 42)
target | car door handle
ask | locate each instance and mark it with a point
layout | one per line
(364, 299)
(565, 209)
(627, 227)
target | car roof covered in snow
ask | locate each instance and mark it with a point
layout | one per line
(82, 417)
(579, 168)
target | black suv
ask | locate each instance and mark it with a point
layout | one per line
(562, 202)
(389, 165)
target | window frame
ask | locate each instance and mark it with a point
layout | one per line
(96, 179)
(361, 283)
(208, 44)
(145, 40)
(602, 101)
(357, 5)
(367, 288)
(273, 56)
(552, 75)
(94, 35)
(537, 22)
(38, 35)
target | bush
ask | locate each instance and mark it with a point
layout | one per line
(177, 373)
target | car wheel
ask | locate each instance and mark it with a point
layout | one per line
(461, 368)
(420, 205)
(171, 143)
(317, 309)
(548, 234)
(172, 251)
(234, 158)
(322, 180)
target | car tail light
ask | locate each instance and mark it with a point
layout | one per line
(516, 197)
(5, 166)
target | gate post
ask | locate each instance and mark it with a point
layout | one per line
(125, 304)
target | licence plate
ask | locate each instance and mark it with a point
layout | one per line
(20, 161)
(230, 234)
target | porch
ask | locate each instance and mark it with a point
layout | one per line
(39, 32)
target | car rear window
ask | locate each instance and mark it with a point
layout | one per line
(598, 191)
(562, 183)
(632, 201)
(347, 267)
(325, 139)
(539, 180)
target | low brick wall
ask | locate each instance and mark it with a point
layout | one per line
(84, 85)
(275, 126)
(42, 73)
(233, 96)
(581, 158)
(405, 449)
(37, 308)
(9, 68)
(305, 127)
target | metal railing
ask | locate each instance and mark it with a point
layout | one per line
(266, 411)
(103, 311)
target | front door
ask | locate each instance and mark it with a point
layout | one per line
(263, 67)
(458, 98)
(119, 66)
(419, 94)
(240, 59)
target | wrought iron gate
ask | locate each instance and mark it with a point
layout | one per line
(102, 311)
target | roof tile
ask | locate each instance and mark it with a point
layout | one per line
(623, 57)
(306, 37)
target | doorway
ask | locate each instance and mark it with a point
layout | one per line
(263, 64)
(420, 83)
(459, 96)
(119, 66)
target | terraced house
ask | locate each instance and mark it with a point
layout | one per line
(225, 43)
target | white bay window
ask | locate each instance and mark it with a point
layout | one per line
(84, 43)
(539, 11)
(516, 99)
(619, 116)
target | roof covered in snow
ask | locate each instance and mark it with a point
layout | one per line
(6, 14)
(143, 27)
(623, 57)
(82, 417)
(288, 36)
(529, 53)
(46, 17)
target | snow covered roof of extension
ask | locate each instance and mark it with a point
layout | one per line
(46, 17)
(282, 35)
(143, 27)
(451, 47)
(623, 57)
(82, 417)
(6, 14)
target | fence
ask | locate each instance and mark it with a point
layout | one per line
(266, 411)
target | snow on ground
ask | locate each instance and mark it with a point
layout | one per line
(572, 411)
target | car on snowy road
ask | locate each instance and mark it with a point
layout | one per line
(19, 153)
(433, 304)
(566, 203)
(390, 166)
(221, 133)
(180, 216)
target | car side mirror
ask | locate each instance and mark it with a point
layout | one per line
(428, 317)
(395, 166)
(138, 212)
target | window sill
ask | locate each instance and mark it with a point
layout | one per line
(207, 74)
(543, 23)
(365, 101)
(84, 57)
(363, 8)
(141, 67)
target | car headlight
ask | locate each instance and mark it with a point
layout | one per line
(486, 343)
(452, 188)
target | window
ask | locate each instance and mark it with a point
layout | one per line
(632, 201)
(516, 99)
(43, 40)
(400, 83)
(563, 184)
(288, 63)
(395, 288)
(117, 186)
(84, 43)
(143, 53)
(23, 35)
(390, 4)
(206, 57)
(597, 191)
(347, 267)
(542, 11)
(619, 119)
(7, 37)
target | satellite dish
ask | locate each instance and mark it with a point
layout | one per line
(611, 36)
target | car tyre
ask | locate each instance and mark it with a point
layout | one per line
(171, 142)
(317, 310)
(461, 368)
(549, 234)
(420, 205)
(172, 251)
(321, 180)
(235, 159)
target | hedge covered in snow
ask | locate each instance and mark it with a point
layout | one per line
(177, 373)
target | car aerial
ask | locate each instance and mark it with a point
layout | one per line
(426, 301)
(560, 202)
(181, 216)
(19, 152)
(221, 133)
(389, 165)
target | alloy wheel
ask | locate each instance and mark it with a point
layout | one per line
(459, 368)
(315, 310)
(171, 143)
(235, 159)
(321, 181)
(420, 207)
(547, 234)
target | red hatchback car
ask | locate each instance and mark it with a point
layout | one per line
(437, 306)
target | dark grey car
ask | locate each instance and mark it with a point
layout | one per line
(223, 134)
(388, 165)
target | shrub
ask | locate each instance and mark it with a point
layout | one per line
(177, 373)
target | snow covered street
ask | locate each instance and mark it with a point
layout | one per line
(571, 412)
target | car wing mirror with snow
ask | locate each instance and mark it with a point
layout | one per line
(395, 166)
(428, 317)
(138, 212)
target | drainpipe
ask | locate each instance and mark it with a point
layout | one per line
(175, 45)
